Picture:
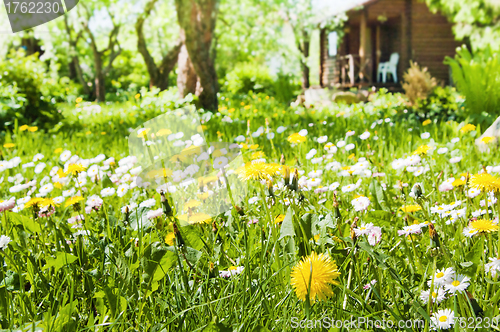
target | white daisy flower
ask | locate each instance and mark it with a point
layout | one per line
(457, 284)
(442, 277)
(443, 319)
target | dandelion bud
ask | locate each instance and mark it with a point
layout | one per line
(286, 176)
(417, 191)
(178, 237)
(353, 226)
(282, 159)
(270, 188)
(239, 210)
(295, 181)
(433, 235)
(166, 207)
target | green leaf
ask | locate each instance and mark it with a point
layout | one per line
(287, 225)
(28, 224)
(192, 236)
(379, 218)
(61, 259)
(139, 219)
(379, 195)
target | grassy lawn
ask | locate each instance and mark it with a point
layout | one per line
(395, 202)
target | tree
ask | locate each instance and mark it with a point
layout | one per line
(74, 64)
(111, 51)
(197, 18)
(186, 75)
(475, 20)
(158, 74)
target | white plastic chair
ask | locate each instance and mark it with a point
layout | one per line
(390, 67)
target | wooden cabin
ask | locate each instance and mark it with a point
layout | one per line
(377, 29)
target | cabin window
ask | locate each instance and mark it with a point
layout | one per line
(332, 44)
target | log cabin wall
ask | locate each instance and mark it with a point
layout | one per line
(432, 41)
(410, 29)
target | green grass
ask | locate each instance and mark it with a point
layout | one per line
(126, 278)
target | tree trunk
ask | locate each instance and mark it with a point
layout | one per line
(197, 18)
(186, 76)
(99, 87)
(167, 65)
(79, 75)
(158, 75)
(304, 49)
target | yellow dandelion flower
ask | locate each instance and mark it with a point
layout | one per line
(169, 239)
(191, 150)
(33, 129)
(143, 132)
(203, 196)
(195, 218)
(257, 171)
(467, 128)
(73, 200)
(103, 133)
(423, 149)
(137, 96)
(79, 100)
(314, 275)
(258, 155)
(23, 127)
(192, 204)
(279, 218)
(485, 182)
(411, 208)
(163, 132)
(458, 183)
(426, 122)
(9, 145)
(48, 202)
(487, 139)
(483, 226)
(58, 150)
(75, 169)
(296, 138)
(34, 201)
(58, 185)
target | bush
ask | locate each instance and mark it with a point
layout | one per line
(477, 77)
(37, 94)
(255, 78)
(246, 77)
(418, 83)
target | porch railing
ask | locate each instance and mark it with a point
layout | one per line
(352, 69)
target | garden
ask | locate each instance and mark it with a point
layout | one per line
(152, 205)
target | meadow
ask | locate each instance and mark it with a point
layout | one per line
(349, 212)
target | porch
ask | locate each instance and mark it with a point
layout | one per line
(370, 37)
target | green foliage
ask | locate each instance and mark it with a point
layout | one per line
(246, 77)
(119, 274)
(255, 78)
(476, 21)
(478, 78)
(28, 93)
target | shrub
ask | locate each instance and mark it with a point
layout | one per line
(418, 83)
(248, 77)
(37, 94)
(477, 77)
(255, 78)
